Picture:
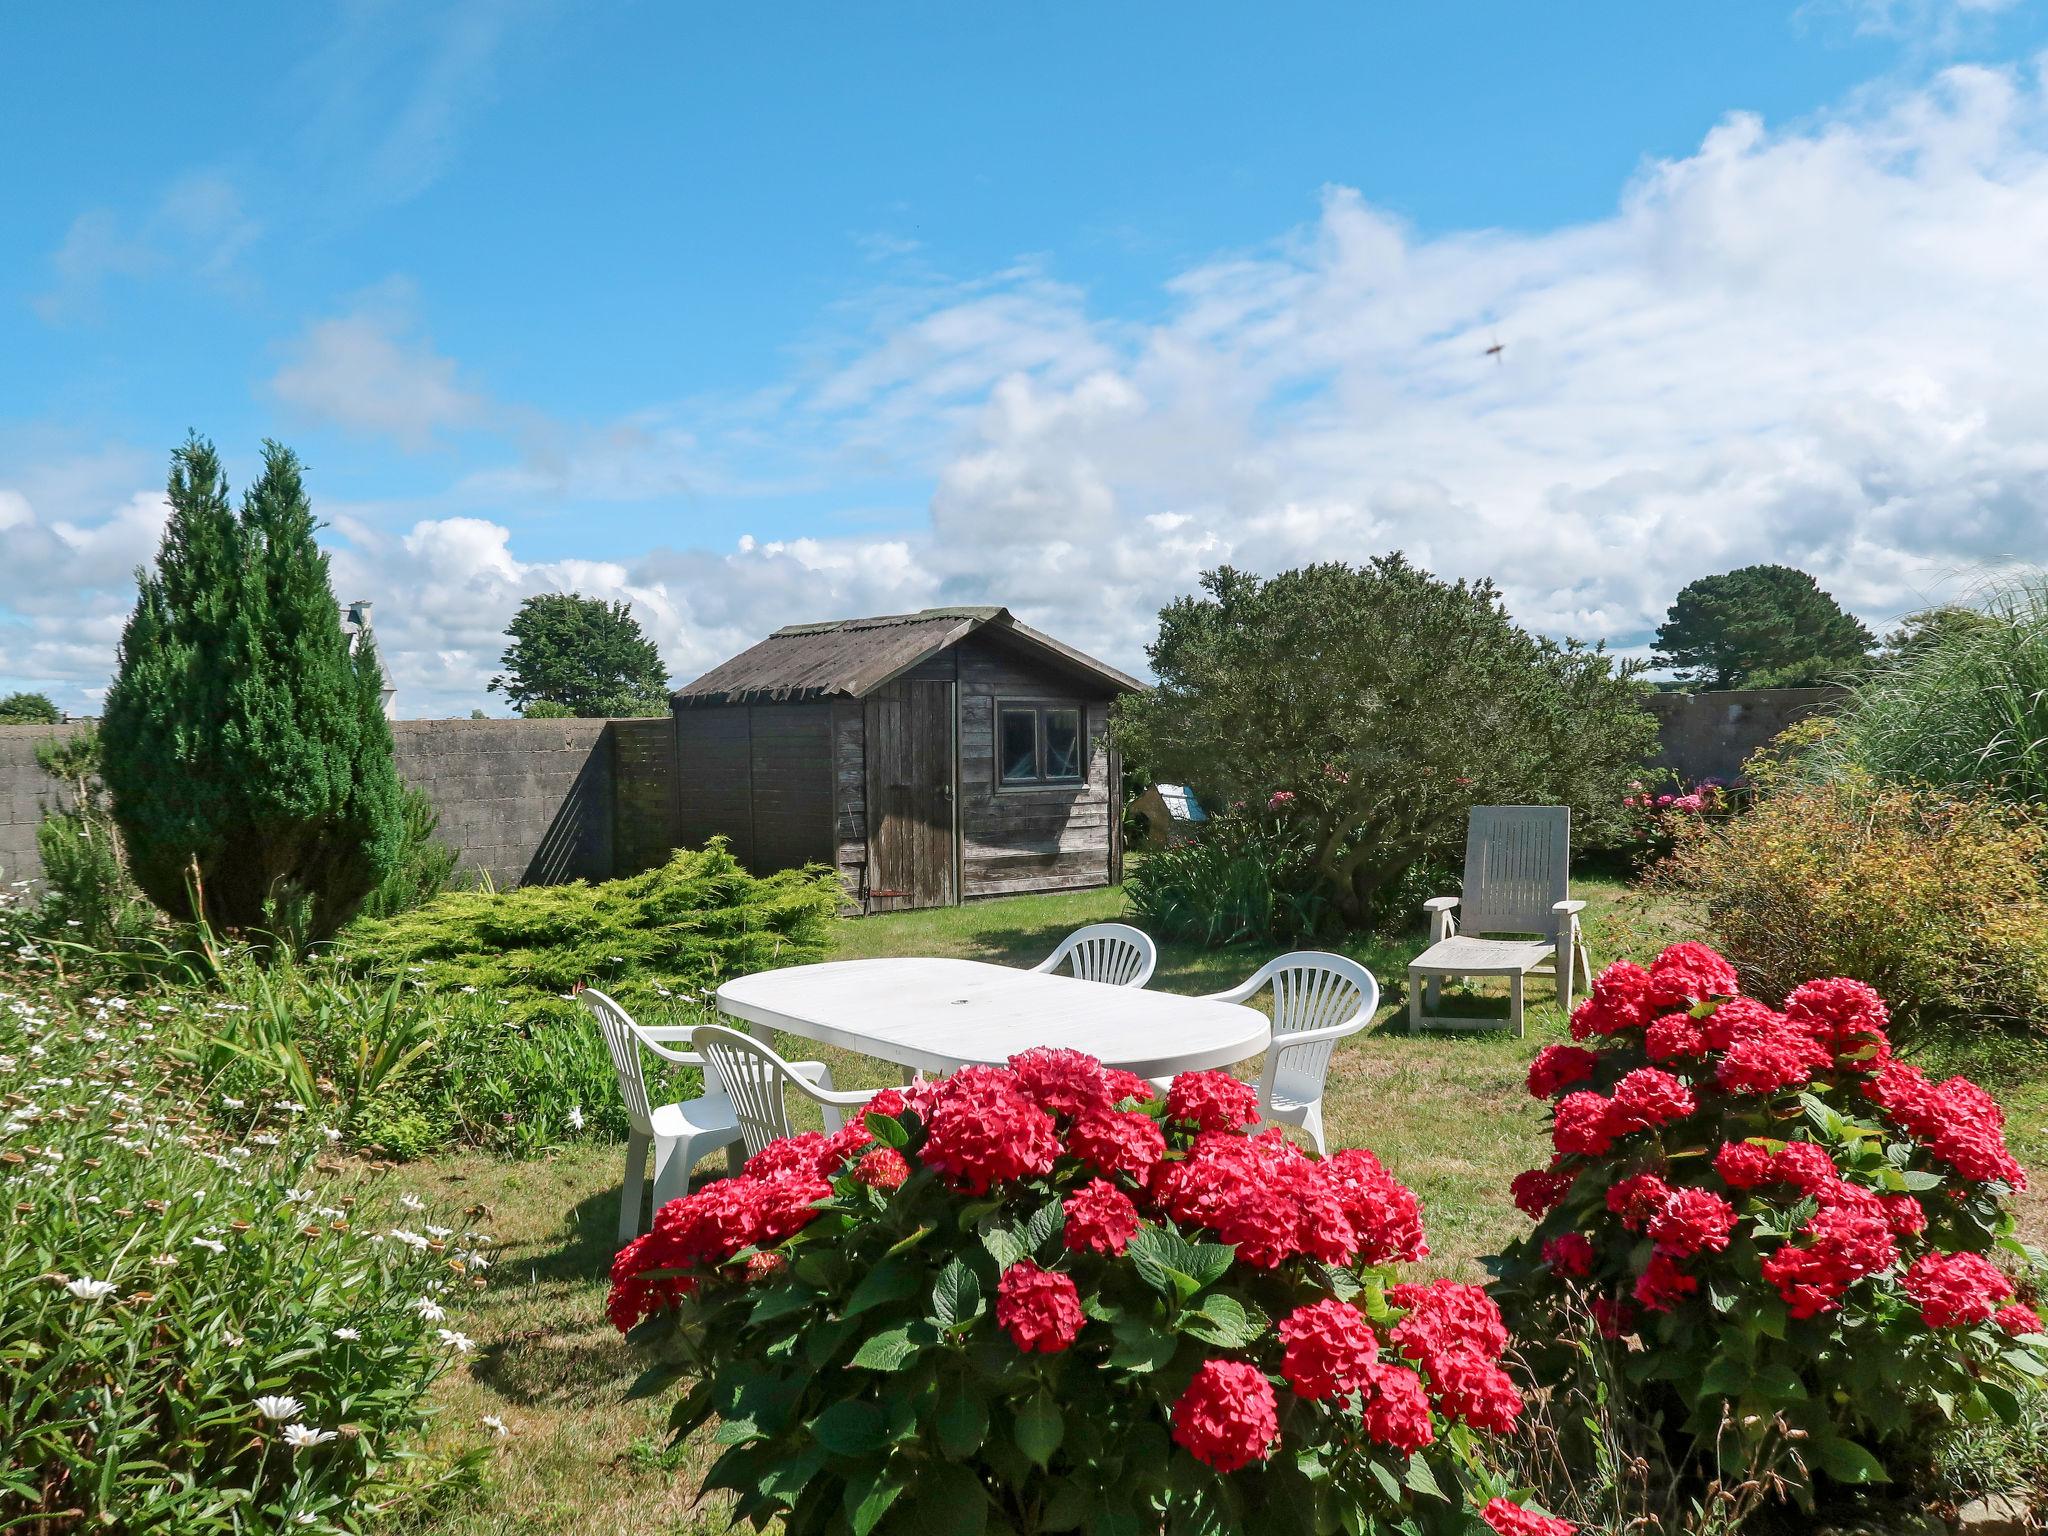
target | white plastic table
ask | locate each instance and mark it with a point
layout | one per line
(936, 1015)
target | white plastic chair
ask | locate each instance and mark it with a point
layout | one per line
(1113, 953)
(679, 1134)
(752, 1078)
(1318, 999)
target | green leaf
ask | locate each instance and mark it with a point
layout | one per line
(1777, 1381)
(894, 1348)
(956, 1297)
(780, 1301)
(888, 1130)
(1141, 1346)
(851, 1428)
(1725, 1376)
(891, 1280)
(950, 1501)
(1223, 1321)
(1005, 1246)
(960, 1421)
(1044, 1228)
(1420, 1478)
(655, 1379)
(1039, 1428)
(869, 1493)
(1847, 1462)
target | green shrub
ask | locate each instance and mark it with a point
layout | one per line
(1939, 901)
(680, 928)
(159, 1277)
(1966, 707)
(244, 741)
(1244, 879)
(425, 863)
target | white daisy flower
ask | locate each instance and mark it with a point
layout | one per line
(461, 1343)
(330, 1133)
(495, 1425)
(432, 1311)
(303, 1436)
(280, 1407)
(232, 1103)
(88, 1289)
(575, 1117)
(411, 1202)
(211, 1245)
(348, 1335)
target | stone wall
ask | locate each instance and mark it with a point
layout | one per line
(1707, 735)
(523, 801)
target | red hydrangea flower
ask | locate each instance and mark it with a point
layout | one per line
(1118, 1141)
(1038, 1308)
(1906, 1098)
(842, 1144)
(1743, 1164)
(1740, 1018)
(1647, 1098)
(881, 1168)
(1904, 1215)
(2016, 1319)
(1806, 1166)
(1623, 998)
(1510, 1519)
(1557, 1067)
(1228, 1417)
(1121, 1085)
(1475, 1391)
(1956, 1288)
(1847, 1017)
(1569, 1255)
(1060, 1081)
(1445, 1317)
(1690, 973)
(1976, 1149)
(1329, 1349)
(1100, 1218)
(1635, 1200)
(787, 1154)
(1675, 1037)
(1763, 1066)
(1214, 1101)
(702, 1231)
(1692, 1221)
(1844, 1243)
(1663, 1285)
(1383, 1212)
(1581, 1125)
(1613, 1316)
(981, 1130)
(1397, 1409)
(1536, 1190)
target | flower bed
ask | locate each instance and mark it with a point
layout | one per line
(1797, 1232)
(199, 1331)
(1040, 1299)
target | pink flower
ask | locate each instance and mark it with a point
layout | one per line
(1282, 798)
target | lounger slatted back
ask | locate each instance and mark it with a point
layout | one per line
(1318, 999)
(1517, 882)
(1115, 954)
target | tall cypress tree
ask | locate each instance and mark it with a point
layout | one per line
(240, 735)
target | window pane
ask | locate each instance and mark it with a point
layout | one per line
(1019, 745)
(1063, 744)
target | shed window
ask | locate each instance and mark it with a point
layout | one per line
(1040, 744)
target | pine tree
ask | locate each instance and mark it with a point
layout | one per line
(1763, 626)
(240, 736)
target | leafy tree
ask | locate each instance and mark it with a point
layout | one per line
(242, 743)
(28, 709)
(1931, 629)
(1385, 703)
(584, 654)
(1763, 626)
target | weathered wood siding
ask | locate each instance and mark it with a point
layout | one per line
(760, 775)
(1038, 839)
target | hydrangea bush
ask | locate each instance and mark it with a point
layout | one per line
(1794, 1238)
(1038, 1298)
(200, 1330)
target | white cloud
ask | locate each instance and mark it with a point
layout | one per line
(197, 229)
(1815, 344)
(370, 373)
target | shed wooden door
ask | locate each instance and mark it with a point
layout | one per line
(910, 793)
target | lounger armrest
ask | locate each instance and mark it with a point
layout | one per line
(1568, 908)
(1236, 994)
(1442, 903)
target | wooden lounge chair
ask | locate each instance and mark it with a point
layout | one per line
(1517, 883)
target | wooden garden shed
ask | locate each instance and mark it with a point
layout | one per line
(932, 757)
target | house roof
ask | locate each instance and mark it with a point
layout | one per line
(851, 657)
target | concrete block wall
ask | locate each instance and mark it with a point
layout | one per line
(1708, 735)
(526, 801)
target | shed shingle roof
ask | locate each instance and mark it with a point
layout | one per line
(851, 657)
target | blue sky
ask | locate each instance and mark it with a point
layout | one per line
(759, 315)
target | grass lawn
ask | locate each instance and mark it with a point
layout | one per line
(1447, 1113)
